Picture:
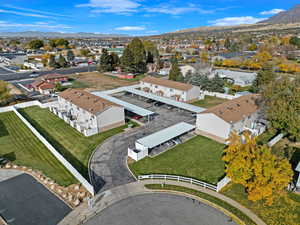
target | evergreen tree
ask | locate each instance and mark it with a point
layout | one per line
(227, 43)
(264, 77)
(106, 62)
(70, 55)
(134, 57)
(127, 61)
(115, 60)
(175, 72)
(62, 61)
(52, 62)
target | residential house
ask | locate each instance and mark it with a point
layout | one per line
(185, 69)
(239, 78)
(237, 115)
(88, 113)
(43, 87)
(170, 89)
(46, 84)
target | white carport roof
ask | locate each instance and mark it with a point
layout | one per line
(165, 135)
(130, 107)
(167, 101)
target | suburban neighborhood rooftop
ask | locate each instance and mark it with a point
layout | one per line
(167, 83)
(236, 109)
(86, 100)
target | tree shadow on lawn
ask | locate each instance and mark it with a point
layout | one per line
(80, 167)
(3, 130)
(10, 156)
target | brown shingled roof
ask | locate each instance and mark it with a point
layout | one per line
(168, 83)
(235, 110)
(86, 100)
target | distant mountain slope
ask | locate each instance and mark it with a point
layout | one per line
(32, 34)
(286, 17)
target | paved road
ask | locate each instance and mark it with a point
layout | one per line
(108, 164)
(159, 208)
(110, 197)
(22, 76)
(24, 201)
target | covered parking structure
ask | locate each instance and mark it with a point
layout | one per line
(127, 106)
(143, 145)
(167, 101)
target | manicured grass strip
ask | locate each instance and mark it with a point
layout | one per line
(209, 101)
(284, 211)
(205, 196)
(198, 158)
(74, 146)
(19, 145)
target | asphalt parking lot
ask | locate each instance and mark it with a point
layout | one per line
(172, 113)
(160, 209)
(24, 201)
(108, 168)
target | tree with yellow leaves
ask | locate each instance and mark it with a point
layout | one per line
(263, 175)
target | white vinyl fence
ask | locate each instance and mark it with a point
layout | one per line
(216, 188)
(220, 95)
(275, 140)
(27, 104)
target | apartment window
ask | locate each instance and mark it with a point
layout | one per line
(155, 86)
(171, 90)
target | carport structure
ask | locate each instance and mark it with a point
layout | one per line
(143, 145)
(129, 107)
(171, 102)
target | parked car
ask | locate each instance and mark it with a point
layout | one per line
(137, 117)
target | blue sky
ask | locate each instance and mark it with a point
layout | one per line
(133, 17)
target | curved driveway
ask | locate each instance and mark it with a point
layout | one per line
(108, 164)
(160, 208)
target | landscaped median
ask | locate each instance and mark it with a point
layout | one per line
(210, 199)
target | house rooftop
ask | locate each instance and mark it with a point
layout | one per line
(237, 109)
(86, 100)
(167, 83)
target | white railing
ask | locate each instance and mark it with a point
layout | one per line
(179, 178)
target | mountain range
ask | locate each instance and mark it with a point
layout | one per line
(285, 17)
(289, 19)
(38, 34)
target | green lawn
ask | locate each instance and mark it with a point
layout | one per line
(209, 101)
(282, 212)
(198, 158)
(20, 146)
(74, 146)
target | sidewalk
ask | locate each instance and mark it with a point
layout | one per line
(109, 197)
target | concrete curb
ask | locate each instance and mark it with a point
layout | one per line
(225, 211)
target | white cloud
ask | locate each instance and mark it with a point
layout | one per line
(229, 21)
(168, 9)
(112, 6)
(5, 24)
(272, 12)
(23, 13)
(130, 28)
(34, 10)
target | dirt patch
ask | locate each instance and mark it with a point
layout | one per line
(14, 90)
(100, 82)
